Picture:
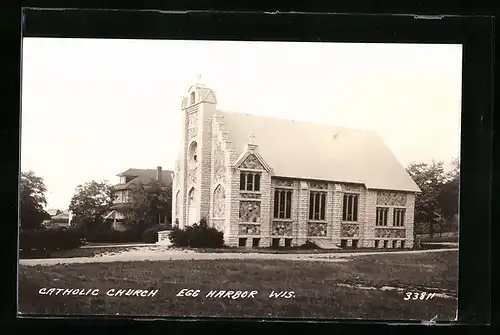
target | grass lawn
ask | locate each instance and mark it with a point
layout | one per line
(316, 294)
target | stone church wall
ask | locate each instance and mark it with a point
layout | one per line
(248, 216)
(299, 228)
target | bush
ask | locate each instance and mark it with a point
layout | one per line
(115, 236)
(197, 236)
(50, 239)
(150, 235)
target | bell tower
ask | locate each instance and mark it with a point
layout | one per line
(192, 179)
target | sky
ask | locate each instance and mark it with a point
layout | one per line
(92, 108)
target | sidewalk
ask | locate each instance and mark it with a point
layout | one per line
(168, 255)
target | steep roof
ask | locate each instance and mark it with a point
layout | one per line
(145, 176)
(321, 152)
(52, 211)
(62, 215)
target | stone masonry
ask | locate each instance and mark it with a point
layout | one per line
(247, 217)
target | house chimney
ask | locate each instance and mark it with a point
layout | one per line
(158, 173)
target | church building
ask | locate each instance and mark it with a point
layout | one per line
(266, 181)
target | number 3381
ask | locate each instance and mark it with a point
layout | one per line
(418, 296)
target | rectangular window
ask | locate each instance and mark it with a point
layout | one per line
(249, 181)
(386, 243)
(354, 244)
(288, 242)
(402, 244)
(398, 219)
(343, 243)
(242, 242)
(394, 244)
(382, 213)
(350, 207)
(275, 243)
(282, 204)
(376, 243)
(256, 242)
(242, 181)
(317, 206)
(256, 182)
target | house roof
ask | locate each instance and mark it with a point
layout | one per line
(52, 211)
(61, 216)
(321, 152)
(114, 215)
(146, 176)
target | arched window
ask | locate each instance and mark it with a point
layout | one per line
(193, 97)
(219, 210)
(177, 203)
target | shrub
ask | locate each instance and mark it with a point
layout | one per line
(110, 235)
(50, 239)
(150, 235)
(197, 236)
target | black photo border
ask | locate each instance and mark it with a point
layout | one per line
(474, 32)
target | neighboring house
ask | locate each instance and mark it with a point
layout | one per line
(266, 181)
(53, 212)
(130, 179)
(61, 219)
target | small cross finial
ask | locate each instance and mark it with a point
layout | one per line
(199, 77)
(252, 138)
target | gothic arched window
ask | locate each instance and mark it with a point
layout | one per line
(177, 203)
(219, 210)
(191, 195)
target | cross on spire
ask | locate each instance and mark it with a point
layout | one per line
(252, 138)
(199, 77)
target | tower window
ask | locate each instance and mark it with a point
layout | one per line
(193, 97)
(193, 153)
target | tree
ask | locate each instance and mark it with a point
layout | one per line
(439, 197)
(91, 201)
(449, 195)
(430, 179)
(32, 201)
(147, 202)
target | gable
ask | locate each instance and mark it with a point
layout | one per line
(252, 162)
(314, 151)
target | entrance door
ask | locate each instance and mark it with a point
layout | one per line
(191, 215)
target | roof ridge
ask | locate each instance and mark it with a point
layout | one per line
(340, 127)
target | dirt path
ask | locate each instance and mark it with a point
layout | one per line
(162, 253)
